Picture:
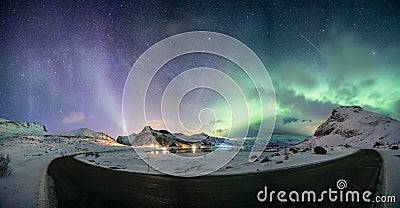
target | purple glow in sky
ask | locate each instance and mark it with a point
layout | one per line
(64, 64)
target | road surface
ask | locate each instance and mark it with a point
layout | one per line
(82, 185)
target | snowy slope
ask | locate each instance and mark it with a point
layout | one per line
(165, 138)
(193, 138)
(356, 127)
(126, 140)
(16, 127)
(200, 137)
(31, 151)
(85, 133)
(30, 155)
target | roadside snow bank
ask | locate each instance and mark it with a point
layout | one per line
(391, 160)
(30, 155)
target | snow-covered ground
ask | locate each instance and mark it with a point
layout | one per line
(32, 149)
(30, 155)
(391, 159)
(128, 160)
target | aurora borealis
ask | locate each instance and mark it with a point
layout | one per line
(64, 64)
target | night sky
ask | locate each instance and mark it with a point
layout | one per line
(64, 63)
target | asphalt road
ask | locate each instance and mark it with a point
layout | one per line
(82, 185)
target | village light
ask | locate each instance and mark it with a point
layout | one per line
(194, 148)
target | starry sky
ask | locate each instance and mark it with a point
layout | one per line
(64, 63)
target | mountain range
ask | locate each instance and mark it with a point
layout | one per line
(347, 126)
(165, 138)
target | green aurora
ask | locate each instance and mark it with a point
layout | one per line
(306, 93)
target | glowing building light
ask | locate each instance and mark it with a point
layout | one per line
(194, 148)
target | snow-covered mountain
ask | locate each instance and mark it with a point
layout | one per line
(85, 133)
(126, 140)
(356, 127)
(31, 153)
(200, 137)
(16, 127)
(150, 136)
(194, 137)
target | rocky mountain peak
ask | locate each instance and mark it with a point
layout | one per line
(150, 136)
(355, 126)
(147, 128)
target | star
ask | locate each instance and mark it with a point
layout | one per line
(77, 56)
